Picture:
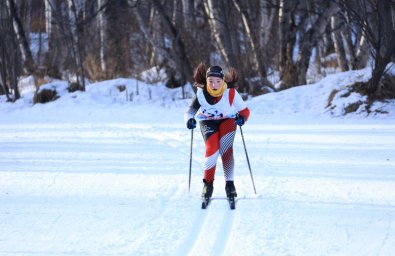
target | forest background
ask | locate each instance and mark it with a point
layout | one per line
(274, 44)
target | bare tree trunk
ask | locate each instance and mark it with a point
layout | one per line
(180, 54)
(154, 48)
(376, 20)
(266, 24)
(317, 59)
(52, 24)
(27, 18)
(77, 47)
(26, 54)
(257, 64)
(386, 46)
(155, 35)
(294, 73)
(186, 11)
(14, 70)
(4, 63)
(310, 41)
(48, 17)
(338, 43)
(287, 38)
(284, 35)
(362, 53)
(358, 52)
(247, 28)
(3, 70)
(103, 35)
(176, 19)
(220, 30)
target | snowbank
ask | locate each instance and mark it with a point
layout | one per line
(330, 98)
(315, 101)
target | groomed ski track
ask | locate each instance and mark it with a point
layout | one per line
(211, 231)
(122, 189)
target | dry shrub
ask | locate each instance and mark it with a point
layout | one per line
(93, 68)
(360, 87)
(352, 107)
(288, 78)
(54, 73)
(44, 96)
(329, 63)
(39, 80)
(260, 90)
(121, 88)
(331, 97)
(387, 87)
(75, 87)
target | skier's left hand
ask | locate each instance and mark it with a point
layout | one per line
(239, 120)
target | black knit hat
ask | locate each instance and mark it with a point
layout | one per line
(215, 71)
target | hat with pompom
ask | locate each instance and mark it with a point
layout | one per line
(215, 71)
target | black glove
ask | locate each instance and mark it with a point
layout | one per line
(239, 120)
(191, 124)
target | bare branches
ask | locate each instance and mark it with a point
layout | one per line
(102, 39)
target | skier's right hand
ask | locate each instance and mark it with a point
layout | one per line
(191, 124)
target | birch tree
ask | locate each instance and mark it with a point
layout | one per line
(26, 54)
(220, 29)
(56, 49)
(287, 39)
(377, 20)
(356, 43)
(338, 44)
(267, 20)
(268, 31)
(257, 62)
(49, 4)
(171, 30)
(102, 27)
(311, 27)
(75, 7)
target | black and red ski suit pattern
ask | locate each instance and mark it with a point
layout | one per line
(216, 117)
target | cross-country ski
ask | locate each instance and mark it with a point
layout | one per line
(206, 202)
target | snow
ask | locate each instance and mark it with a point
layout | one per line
(101, 173)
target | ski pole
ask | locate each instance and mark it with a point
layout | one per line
(190, 162)
(248, 160)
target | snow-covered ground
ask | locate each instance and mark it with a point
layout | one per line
(106, 173)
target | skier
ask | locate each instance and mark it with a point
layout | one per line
(219, 108)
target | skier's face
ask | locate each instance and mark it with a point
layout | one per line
(214, 82)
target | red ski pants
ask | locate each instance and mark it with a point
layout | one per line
(218, 136)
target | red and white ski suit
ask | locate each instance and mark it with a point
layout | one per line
(216, 117)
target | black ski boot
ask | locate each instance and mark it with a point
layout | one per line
(230, 189)
(207, 192)
(231, 194)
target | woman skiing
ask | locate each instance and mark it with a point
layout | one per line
(218, 107)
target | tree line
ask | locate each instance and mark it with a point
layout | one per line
(103, 39)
